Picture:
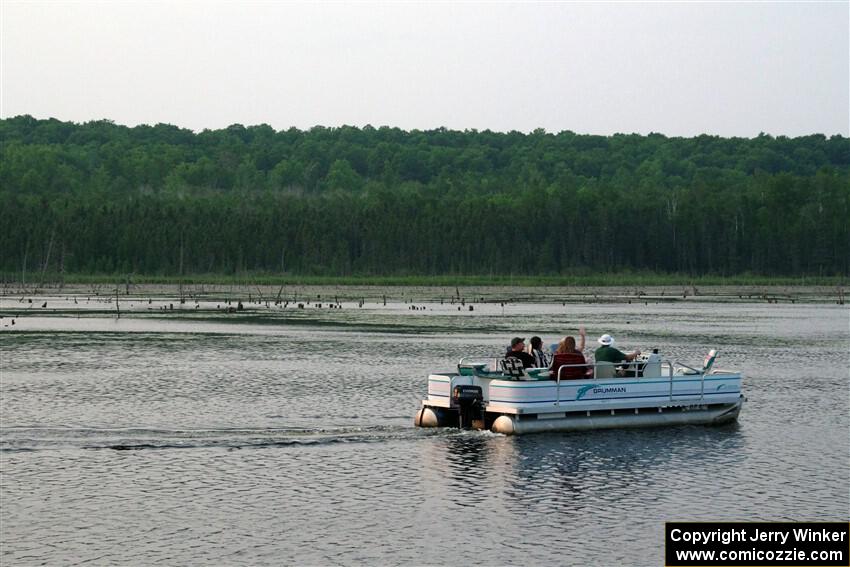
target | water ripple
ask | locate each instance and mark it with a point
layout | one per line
(263, 442)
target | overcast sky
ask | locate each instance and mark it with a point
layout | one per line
(682, 69)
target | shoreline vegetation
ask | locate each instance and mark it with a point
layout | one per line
(52, 280)
(256, 291)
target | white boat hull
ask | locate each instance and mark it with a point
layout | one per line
(648, 417)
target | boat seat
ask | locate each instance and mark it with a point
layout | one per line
(570, 360)
(709, 361)
(482, 372)
(539, 373)
(513, 367)
(470, 369)
(604, 370)
(707, 365)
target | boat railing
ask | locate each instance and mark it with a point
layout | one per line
(558, 378)
(471, 362)
(664, 365)
(630, 369)
(688, 371)
(633, 370)
(692, 369)
(585, 365)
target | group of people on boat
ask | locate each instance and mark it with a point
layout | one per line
(567, 357)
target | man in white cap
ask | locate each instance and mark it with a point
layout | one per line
(607, 352)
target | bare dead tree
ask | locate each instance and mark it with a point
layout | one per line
(47, 257)
(62, 267)
(182, 299)
(24, 266)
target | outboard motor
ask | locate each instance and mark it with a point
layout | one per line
(470, 403)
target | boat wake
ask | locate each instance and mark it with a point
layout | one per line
(28, 439)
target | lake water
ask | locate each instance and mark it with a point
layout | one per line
(280, 436)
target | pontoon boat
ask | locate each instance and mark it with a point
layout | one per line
(502, 396)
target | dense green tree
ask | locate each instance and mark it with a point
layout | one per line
(100, 197)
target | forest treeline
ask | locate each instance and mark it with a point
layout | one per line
(105, 198)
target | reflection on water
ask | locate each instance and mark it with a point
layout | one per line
(561, 491)
(288, 438)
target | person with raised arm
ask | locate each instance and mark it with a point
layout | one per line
(570, 357)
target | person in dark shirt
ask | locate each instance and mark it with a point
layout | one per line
(518, 351)
(541, 359)
(607, 352)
